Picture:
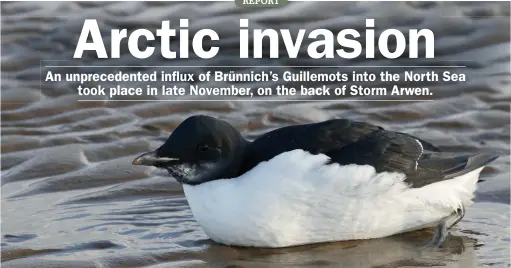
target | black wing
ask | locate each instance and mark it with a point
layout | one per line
(399, 152)
(315, 138)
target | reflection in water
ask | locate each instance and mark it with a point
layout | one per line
(397, 251)
(162, 230)
(71, 198)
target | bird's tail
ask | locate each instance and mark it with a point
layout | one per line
(451, 167)
(467, 164)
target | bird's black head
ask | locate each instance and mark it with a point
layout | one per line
(200, 149)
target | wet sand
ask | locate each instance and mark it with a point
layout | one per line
(71, 198)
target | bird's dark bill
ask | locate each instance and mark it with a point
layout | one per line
(152, 159)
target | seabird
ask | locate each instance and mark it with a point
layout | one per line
(329, 181)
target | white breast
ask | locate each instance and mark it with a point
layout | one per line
(296, 199)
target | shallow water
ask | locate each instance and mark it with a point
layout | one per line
(71, 198)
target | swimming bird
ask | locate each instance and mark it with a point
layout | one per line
(321, 182)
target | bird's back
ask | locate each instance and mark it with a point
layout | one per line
(348, 142)
(315, 138)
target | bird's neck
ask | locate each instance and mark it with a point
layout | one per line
(230, 168)
(237, 159)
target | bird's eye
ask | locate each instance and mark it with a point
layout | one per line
(203, 147)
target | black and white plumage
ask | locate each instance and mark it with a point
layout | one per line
(328, 181)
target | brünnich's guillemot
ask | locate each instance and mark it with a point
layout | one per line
(329, 181)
